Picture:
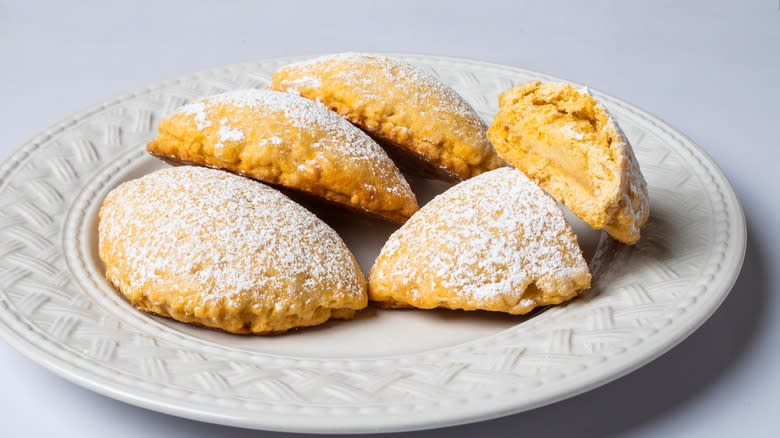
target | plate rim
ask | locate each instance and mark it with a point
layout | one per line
(97, 383)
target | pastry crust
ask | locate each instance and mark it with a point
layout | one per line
(207, 247)
(288, 141)
(404, 108)
(495, 242)
(563, 139)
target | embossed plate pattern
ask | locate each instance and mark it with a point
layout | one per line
(56, 307)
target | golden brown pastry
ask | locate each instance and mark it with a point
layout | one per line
(207, 247)
(422, 123)
(563, 139)
(288, 141)
(495, 242)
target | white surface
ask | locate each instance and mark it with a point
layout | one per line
(389, 370)
(709, 70)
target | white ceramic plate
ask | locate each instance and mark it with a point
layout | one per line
(387, 370)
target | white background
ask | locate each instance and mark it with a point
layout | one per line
(709, 68)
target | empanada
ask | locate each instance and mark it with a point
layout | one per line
(208, 247)
(495, 242)
(563, 139)
(290, 142)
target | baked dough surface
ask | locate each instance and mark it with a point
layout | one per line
(288, 141)
(495, 242)
(204, 246)
(402, 106)
(563, 139)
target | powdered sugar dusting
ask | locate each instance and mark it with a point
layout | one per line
(344, 143)
(306, 81)
(492, 235)
(226, 133)
(398, 73)
(395, 77)
(635, 199)
(197, 109)
(223, 236)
